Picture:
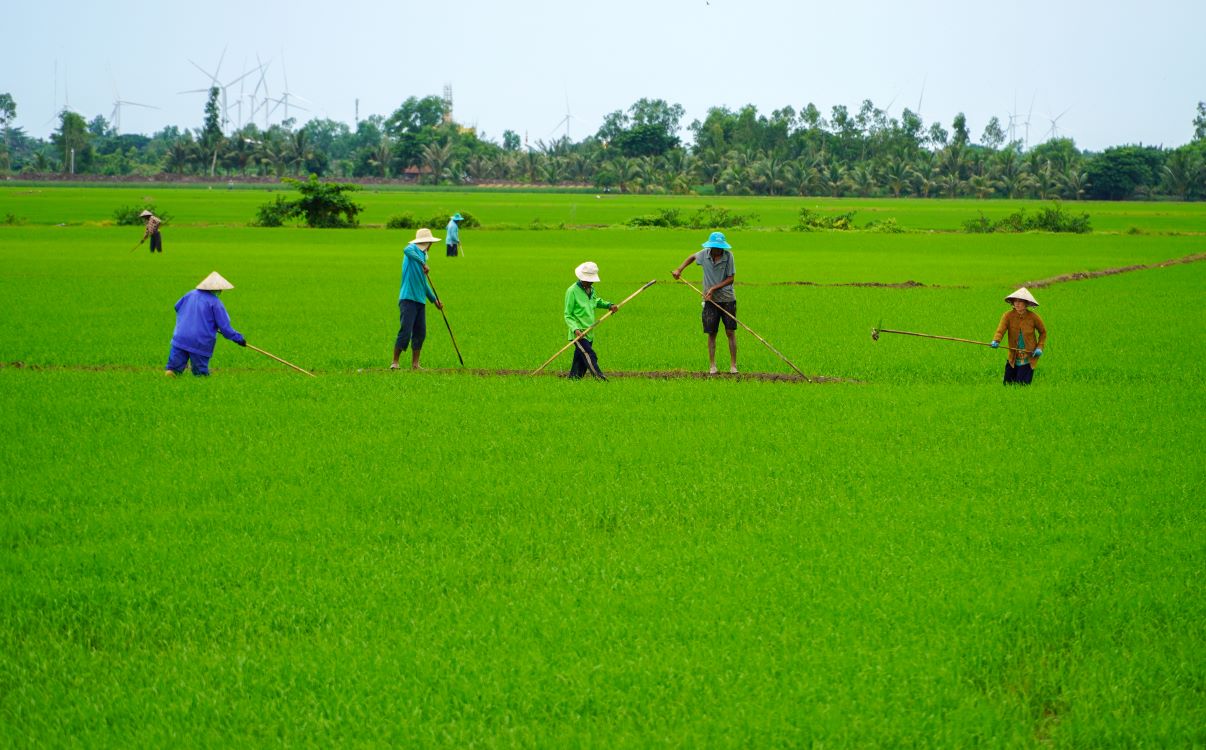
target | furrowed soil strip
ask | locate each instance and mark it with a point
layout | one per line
(875, 284)
(763, 377)
(1196, 257)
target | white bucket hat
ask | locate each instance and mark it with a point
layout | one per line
(1023, 294)
(424, 235)
(588, 271)
(214, 283)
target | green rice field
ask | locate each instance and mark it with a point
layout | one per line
(904, 553)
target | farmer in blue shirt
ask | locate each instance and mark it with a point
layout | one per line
(413, 297)
(452, 243)
(200, 316)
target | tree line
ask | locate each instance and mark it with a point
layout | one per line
(732, 152)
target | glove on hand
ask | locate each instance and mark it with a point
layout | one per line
(1038, 352)
(243, 342)
(995, 344)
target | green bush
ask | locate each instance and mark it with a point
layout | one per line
(810, 221)
(885, 226)
(402, 221)
(708, 217)
(322, 204)
(128, 216)
(1051, 219)
(275, 214)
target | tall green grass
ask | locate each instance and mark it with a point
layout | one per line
(919, 558)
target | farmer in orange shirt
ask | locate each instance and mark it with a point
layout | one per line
(1025, 331)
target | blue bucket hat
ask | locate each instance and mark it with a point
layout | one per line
(457, 217)
(716, 239)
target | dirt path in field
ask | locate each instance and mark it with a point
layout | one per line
(910, 284)
(1081, 276)
(762, 377)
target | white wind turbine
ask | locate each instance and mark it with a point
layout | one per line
(1054, 131)
(118, 103)
(215, 83)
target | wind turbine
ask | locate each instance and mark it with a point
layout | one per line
(1026, 124)
(565, 120)
(1054, 131)
(118, 103)
(215, 83)
(284, 100)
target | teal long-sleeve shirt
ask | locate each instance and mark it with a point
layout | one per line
(452, 234)
(580, 310)
(414, 281)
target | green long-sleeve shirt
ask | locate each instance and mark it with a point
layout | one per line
(580, 310)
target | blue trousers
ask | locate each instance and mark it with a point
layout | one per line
(1019, 375)
(581, 367)
(413, 328)
(178, 358)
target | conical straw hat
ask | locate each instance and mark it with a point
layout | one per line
(1023, 294)
(214, 283)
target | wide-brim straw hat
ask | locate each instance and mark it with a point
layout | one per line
(145, 214)
(214, 283)
(1023, 294)
(424, 235)
(588, 271)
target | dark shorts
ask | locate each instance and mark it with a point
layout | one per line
(452, 250)
(414, 324)
(712, 317)
(156, 242)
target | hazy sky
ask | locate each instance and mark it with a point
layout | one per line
(1120, 71)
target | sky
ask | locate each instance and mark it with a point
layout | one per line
(1113, 72)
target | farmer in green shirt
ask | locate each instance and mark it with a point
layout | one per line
(716, 258)
(580, 305)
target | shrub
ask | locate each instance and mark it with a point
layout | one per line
(128, 216)
(886, 226)
(1051, 219)
(812, 222)
(402, 221)
(322, 205)
(276, 213)
(708, 217)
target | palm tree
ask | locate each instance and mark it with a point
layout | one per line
(300, 150)
(982, 185)
(898, 174)
(553, 170)
(382, 155)
(1183, 174)
(1076, 183)
(862, 179)
(768, 172)
(437, 159)
(180, 156)
(833, 178)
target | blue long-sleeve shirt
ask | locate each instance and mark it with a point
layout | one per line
(414, 281)
(452, 234)
(200, 316)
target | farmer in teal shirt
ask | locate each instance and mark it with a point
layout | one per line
(580, 305)
(413, 297)
(452, 243)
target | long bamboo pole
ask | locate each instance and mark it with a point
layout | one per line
(593, 327)
(446, 323)
(876, 331)
(278, 359)
(743, 325)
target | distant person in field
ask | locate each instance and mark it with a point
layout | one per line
(1021, 328)
(413, 298)
(580, 305)
(452, 243)
(200, 317)
(716, 258)
(153, 223)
